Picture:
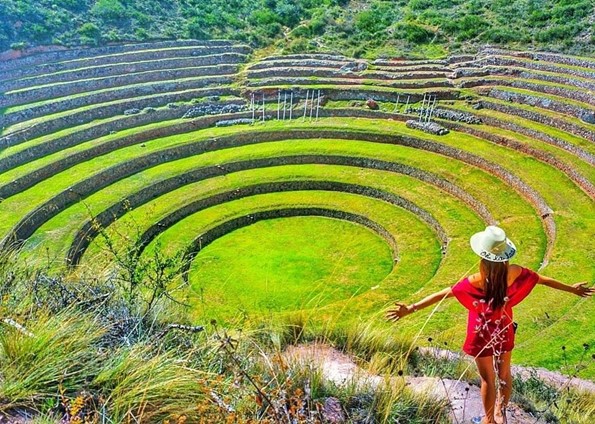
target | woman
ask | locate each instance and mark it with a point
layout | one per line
(489, 296)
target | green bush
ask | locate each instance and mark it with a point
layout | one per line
(90, 30)
(289, 13)
(108, 10)
(195, 29)
(466, 28)
(412, 33)
(18, 46)
(141, 34)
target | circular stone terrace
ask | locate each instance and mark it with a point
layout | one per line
(313, 183)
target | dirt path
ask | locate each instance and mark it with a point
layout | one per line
(464, 398)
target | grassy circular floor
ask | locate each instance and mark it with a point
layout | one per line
(287, 264)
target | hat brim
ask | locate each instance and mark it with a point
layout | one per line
(503, 256)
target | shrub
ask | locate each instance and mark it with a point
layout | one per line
(140, 386)
(141, 34)
(19, 46)
(90, 30)
(412, 32)
(195, 28)
(52, 352)
(108, 10)
(289, 14)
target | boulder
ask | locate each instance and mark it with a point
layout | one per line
(588, 117)
(372, 104)
(354, 67)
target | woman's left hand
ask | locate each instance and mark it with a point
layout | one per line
(581, 289)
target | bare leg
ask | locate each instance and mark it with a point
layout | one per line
(485, 366)
(505, 378)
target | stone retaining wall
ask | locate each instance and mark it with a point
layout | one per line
(386, 96)
(578, 95)
(410, 84)
(332, 73)
(462, 58)
(405, 75)
(303, 63)
(111, 110)
(413, 68)
(78, 191)
(542, 119)
(90, 229)
(518, 73)
(543, 56)
(128, 58)
(314, 56)
(429, 127)
(77, 87)
(351, 93)
(447, 113)
(112, 95)
(558, 79)
(124, 69)
(399, 63)
(539, 66)
(581, 113)
(79, 53)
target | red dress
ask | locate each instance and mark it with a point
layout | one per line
(490, 332)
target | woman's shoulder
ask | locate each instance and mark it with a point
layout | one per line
(515, 271)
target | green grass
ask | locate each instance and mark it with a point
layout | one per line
(286, 264)
(540, 335)
(121, 189)
(418, 251)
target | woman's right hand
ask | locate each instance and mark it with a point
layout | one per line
(399, 311)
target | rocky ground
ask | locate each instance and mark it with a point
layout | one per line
(464, 398)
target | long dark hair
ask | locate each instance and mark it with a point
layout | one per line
(495, 281)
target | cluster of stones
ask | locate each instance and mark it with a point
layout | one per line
(214, 109)
(149, 91)
(449, 115)
(429, 127)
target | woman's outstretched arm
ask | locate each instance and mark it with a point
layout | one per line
(400, 310)
(580, 289)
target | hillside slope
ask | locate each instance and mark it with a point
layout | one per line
(353, 28)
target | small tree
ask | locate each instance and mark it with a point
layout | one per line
(144, 278)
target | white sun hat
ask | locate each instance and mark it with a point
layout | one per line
(492, 244)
